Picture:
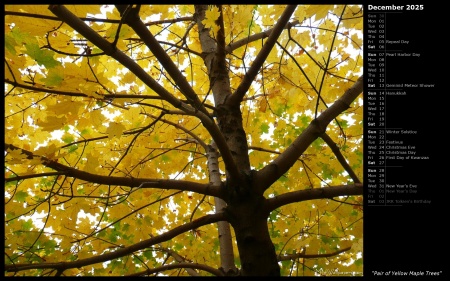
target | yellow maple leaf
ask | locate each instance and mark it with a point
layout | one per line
(356, 41)
(128, 78)
(47, 151)
(97, 118)
(92, 163)
(263, 105)
(52, 123)
(15, 156)
(65, 107)
(115, 130)
(85, 224)
(210, 19)
(320, 11)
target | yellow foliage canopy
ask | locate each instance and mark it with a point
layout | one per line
(107, 147)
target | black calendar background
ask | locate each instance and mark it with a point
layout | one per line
(413, 237)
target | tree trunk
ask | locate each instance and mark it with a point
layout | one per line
(226, 244)
(256, 250)
(244, 202)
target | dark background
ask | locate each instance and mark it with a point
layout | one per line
(413, 237)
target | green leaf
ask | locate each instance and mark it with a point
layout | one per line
(50, 246)
(264, 128)
(325, 239)
(113, 237)
(21, 196)
(327, 173)
(102, 233)
(9, 216)
(283, 178)
(72, 148)
(165, 158)
(54, 78)
(148, 254)
(178, 247)
(305, 120)
(42, 57)
(99, 271)
(216, 245)
(115, 263)
(10, 43)
(359, 262)
(22, 37)
(273, 215)
(286, 263)
(317, 144)
(67, 138)
(27, 225)
(274, 233)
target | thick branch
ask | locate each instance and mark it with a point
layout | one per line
(24, 177)
(38, 16)
(309, 256)
(213, 55)
(180, 261)
(78, 25)
(242, 89)
(147, 37)
(187, 265)
(61, 266)
(280, 165)
(310, 194)
(77, 94)
(207, 189)
(244, 41)
(340, 157)
(109, 49)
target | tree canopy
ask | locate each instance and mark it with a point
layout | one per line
(183, 140)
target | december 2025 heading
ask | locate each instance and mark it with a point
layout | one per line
(395, 7)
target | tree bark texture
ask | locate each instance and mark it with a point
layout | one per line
(256, 250)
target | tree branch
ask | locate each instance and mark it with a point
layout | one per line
(243, 87)
(78, 25)
(133, 20)
(280, 165)
(235, 45)
(77, 94)
(340, 157)
(208, 219)
(24, 177)
(188, 265)
(194, 136)
(38, 16)
(202, 188)
(310, 194)
(180, 260)
(305, 256)
(109, 49)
